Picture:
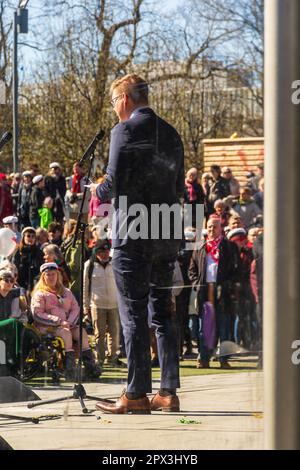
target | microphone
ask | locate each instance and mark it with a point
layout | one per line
(7, 136)
(91, 148)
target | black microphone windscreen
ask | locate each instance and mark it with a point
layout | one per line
(100, 135)
(6, 137)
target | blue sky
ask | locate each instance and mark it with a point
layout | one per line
(170, 4)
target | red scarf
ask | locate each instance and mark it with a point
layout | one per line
(212, 247)
(191, 190)
(76, 183)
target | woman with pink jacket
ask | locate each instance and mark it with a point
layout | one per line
(55, 310)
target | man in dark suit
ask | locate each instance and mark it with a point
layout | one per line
(146, 166)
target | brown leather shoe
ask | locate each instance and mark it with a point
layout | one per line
(140, 406)
(170, 403)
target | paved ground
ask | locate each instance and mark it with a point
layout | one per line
(223, 409)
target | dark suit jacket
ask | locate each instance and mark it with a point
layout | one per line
(146, 164)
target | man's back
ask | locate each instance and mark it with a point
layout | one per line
(151, 167)
(146, 166)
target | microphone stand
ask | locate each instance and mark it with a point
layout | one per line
(78, 389)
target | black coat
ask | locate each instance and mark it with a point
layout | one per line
(24, 201)
(200, 199)
(146, 164)
(199, 193)
(28, 262)
(228, 271)
(258, 252)
(219, 189)
(184, 259)
(5, 303)
(56, 189)
(36, 202)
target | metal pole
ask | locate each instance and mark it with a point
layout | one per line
(282, 225)
(15, 98)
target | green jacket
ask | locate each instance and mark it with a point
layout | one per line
(46, 217)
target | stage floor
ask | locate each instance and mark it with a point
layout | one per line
(218, 412)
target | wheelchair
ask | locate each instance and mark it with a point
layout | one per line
(30, 353)
(40, 354)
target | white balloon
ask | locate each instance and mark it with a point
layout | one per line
(8, 242)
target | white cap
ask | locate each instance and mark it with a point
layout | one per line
(11, 219)
(48, 266)
(235, 232)
(27, 173)
(28, 229)
(54, 165)
(37, 179)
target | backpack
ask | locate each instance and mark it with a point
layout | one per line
(72, 257)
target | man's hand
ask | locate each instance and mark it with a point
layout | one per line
(93, 188)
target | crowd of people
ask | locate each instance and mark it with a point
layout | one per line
(225, 271)
(217, 291)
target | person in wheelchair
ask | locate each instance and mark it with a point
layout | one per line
(55, 310)
(11, 308)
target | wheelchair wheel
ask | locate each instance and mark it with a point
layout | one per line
(30, 358)
(55, 348)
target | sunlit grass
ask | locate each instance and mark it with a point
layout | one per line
(187, 369)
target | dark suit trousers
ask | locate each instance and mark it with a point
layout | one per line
(143, 273)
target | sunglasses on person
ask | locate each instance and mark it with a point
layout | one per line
(9, 280)
(29, 235)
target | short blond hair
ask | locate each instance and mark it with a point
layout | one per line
(132, 85)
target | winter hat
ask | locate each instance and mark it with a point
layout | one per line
(237, 232)
(37, 179)
(11, 219)
(48, 267)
